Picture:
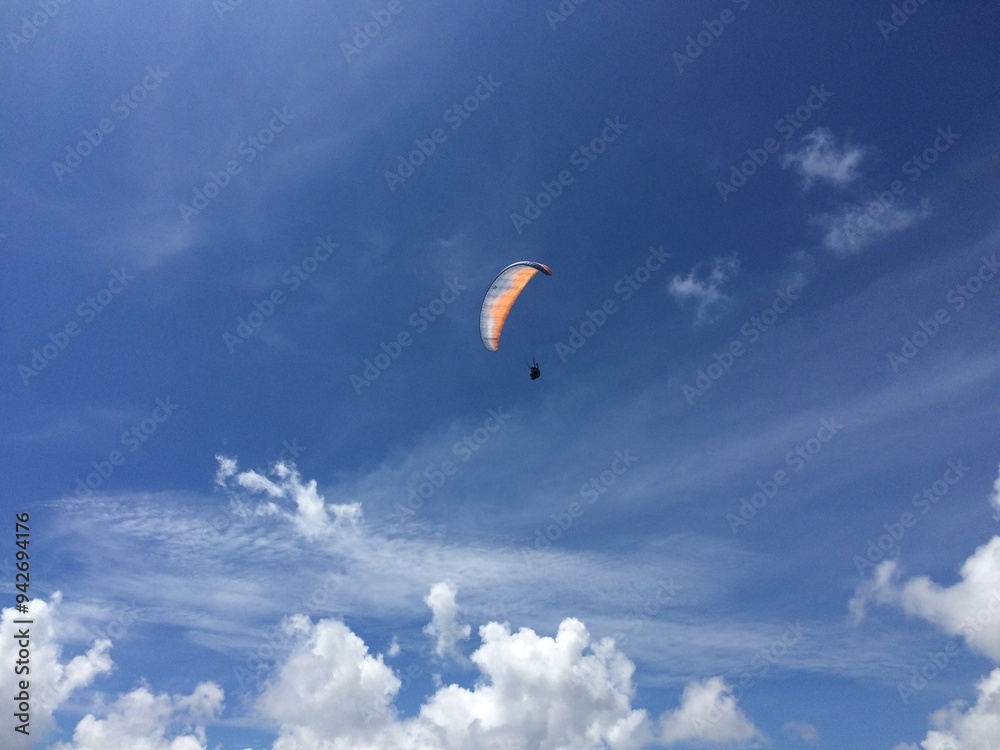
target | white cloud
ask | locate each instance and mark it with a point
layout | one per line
(958, 727)
(969, 608)
(140, 720)
(137, 721)
(534, 692)
(312, 517)
(251, 480)
(877, 589)
(799, 731)
(821, 159)
(857, 226)
(361, 571)
(227, 467)
(708, 713)
(330, 689)
(702, 286)
(51, 680)
(543, 692)
(444, 627)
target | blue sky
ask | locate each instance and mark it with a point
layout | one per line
(280, 496)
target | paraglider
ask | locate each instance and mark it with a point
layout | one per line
(534, 372)
(500, 298)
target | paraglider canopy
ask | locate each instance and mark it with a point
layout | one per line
(500, 298)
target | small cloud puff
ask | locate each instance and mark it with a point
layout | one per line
(821, 160)
(708, 713)
(444, 627)
(703, 287)
(853, 228)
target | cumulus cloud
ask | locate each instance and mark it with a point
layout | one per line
(136, 721)
(444, 627)
(312, 518)
(534, 692)
(820, 159)
(702, 287)
(969, 608)
(330, 692)
(140, 720)
(709, 714)
(52, 680)
(962, 727)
